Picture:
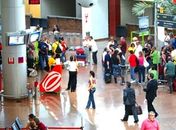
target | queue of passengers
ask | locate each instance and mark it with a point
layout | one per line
(142, 59)
(42, 53)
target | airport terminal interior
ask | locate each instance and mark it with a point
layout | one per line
(66, 109)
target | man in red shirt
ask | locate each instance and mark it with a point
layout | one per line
(132, 61)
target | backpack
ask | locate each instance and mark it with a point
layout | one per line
(58, 50)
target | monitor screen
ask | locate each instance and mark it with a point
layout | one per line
(35, 36)
(143, 22)
(18, 123)
(14, 127)
(16, 40)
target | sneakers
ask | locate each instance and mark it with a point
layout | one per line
(133, 81)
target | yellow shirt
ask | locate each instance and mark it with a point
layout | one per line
(54, 46)
(51, 61)
(131, 49)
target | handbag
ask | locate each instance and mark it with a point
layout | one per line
(138, 109)
(146, 64)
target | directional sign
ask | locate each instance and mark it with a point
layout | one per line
(166, 17)
(167, 24)
(165, 20)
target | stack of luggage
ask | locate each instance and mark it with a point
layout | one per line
(80, 55)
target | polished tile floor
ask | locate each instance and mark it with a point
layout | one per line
(68, 109)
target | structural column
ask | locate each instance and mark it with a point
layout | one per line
(114, 16)
(13, 57)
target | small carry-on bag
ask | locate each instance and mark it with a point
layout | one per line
(107, 76)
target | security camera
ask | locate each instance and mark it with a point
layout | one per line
(85, 3)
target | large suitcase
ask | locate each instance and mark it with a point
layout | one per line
(174, 85)
(107, 76)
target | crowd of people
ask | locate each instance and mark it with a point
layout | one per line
(42, 53)
(148, 67)
(143, 60)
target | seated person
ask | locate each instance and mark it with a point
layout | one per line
(35, 124)
(52, 61)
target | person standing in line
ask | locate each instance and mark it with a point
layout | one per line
(138, 48)
(94, 49)
(141, 68)
(151, 93)
(150, 123)
(91, 89)
(86, 45)
(116, 70)
(43, 54)
(123, 45)
(169, 71)
(132, 61)
(73, 68)
(129, 100)
(155, 56)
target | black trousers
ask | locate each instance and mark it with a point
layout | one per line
(128, 110)
(72, 82)
(94, 57)
(150, 106)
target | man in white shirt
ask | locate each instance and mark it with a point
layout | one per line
(138, 48)
(94, 49)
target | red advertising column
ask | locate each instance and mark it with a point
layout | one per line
(174, 1)
(114, 16)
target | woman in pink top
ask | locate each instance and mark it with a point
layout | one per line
(151, 123)
(141, 68)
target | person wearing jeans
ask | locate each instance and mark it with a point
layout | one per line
(91, 89)
(132, 61)
(141, 68)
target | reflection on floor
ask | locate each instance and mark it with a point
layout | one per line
(68, 109)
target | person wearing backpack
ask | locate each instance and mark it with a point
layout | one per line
(56, 48)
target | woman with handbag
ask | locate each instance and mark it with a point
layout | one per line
(91, 89)
(129, 100)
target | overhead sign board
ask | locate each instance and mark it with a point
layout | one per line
(166, 17)
(165, 20)
(166, 24)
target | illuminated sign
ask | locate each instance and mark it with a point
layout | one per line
(34, 1)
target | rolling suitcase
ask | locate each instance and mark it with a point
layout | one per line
(107, 76)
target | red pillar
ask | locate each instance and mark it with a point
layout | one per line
(174, 1)
(114, 16)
